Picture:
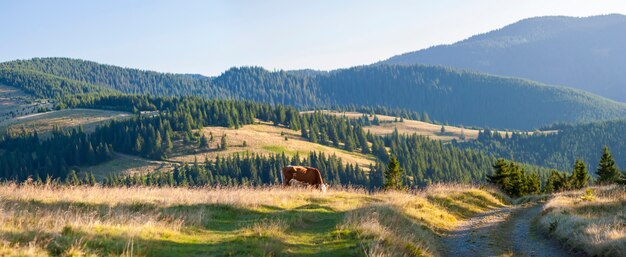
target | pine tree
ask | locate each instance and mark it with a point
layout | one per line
(557, 181)
(223, 144)
(580, 176)
(211, 139)
(533, 184)
(607, 171)
(204, 142)
(516, 185)
(393, 175)
(500, 174)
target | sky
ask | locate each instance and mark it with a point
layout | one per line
(209, 37)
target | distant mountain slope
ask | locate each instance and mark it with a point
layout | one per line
(120, 79)
(466, 98)
(560, 150)
(585, 53)
(446, 95)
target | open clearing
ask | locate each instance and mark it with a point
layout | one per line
(11, 97)
(68, 118)
(14, 103)
(433, 131)
(263, 139)
(96, 221)
(127, 165)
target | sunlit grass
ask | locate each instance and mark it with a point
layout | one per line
(269, 221)
(593, 223)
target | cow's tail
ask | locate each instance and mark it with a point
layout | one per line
(282, 176)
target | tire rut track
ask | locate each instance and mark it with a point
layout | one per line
(506, 231)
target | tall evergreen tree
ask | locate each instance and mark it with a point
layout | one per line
(224, 143)
(607, 171)
(204, 142)
(580, 176)
(393, 175)
(500, 174)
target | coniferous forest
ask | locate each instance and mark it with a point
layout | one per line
(471, 99)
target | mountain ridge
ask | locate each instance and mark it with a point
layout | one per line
(584, 53)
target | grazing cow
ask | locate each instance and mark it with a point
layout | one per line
(298, 175)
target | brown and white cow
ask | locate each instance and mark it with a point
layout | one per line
(299, 175)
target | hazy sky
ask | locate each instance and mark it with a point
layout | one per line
(208, 37)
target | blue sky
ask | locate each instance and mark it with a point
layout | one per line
(208, 37)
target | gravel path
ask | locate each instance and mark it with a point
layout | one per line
(505, 231)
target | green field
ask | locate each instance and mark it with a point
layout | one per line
(95, 221)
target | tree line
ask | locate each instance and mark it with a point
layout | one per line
(516, 182)
(559, 149)
(249, 170)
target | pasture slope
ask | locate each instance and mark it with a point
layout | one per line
(66, 119)
(263, 139)
(389, 123)
(40, 220)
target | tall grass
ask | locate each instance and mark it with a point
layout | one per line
(592, 220)
(46, 220)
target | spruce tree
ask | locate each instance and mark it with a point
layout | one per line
(204, 142)
(533, 184)
(500, 174)
(393, 175)
(224, 144)
(580, 176)
(516, 185)
(607, 171)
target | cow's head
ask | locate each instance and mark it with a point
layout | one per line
(323, 187)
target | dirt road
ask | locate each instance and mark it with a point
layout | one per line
(506, 231)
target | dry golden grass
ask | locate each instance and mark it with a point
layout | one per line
(593, 222)
(96, 221)
(42, 122)
(265, 139)
(430, 130)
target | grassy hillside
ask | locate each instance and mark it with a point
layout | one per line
(591, 221)
(95, 221)
(407, 126)
(262, 139)
(68, 118)
(15, 102)
(456, 97)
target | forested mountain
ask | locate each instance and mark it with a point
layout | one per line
(560, 150)
(125, 80)
(585, 53)
(447, 95)
(466, 98)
